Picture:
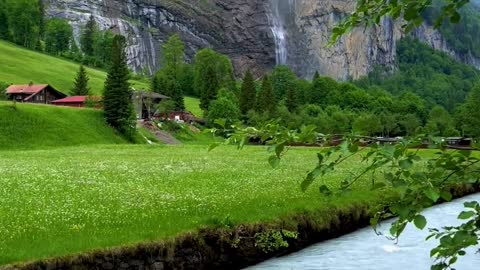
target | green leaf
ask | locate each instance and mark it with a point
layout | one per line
(420, 222)
(274, 161)
(466, 215)
(310, 178)
(455, 18)
(405, 164)
(446, 195)
(378, 186)
(221, 122)
(213, 146)
(432, 194)
(471, 205)
(279, 149)
(325, 190)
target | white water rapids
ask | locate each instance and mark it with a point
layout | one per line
(364, 250)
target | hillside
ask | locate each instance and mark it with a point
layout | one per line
(40, 126)
(20, 66)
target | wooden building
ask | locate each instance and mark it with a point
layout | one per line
(145, 103)
(32, 93)
(459, 143)
(78, 101)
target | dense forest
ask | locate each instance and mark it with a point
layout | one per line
(426, 94)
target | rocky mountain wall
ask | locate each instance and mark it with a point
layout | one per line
(255, 34)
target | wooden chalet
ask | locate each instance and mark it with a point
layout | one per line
(78, 101)
(33, 93)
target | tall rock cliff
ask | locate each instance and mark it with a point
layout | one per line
(255, 34)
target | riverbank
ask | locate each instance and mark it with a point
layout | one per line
(227, 248)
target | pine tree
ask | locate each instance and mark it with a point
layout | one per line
(316, 76)
(266, 99)
(41, 19)
(80, 87)
(88, 37)
(247, 94)
(291, 99)
(4, 30)
(117, 103)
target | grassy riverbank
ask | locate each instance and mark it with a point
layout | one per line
(73, 200)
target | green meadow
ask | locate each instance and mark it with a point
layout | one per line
(25, 126)
(76, 199)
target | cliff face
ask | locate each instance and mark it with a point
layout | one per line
(255, 34)
(238, 28)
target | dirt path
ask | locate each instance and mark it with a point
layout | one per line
(162, 136)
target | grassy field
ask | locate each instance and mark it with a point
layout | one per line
(20, 66)
(41, 126)
(64, 201)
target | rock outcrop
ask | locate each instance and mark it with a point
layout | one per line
(245, 31)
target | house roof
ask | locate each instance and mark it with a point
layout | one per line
(26, 89)
(75, 99)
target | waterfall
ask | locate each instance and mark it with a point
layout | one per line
(280, 9)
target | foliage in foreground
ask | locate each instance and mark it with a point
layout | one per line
(419, 182)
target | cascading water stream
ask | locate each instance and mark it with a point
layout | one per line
(278, 22)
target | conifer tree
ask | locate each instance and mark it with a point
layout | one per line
(247, 94)
(266, 99)
(291, 99)
(41, 19)
(80, 87)
(88, 37)
(4, 30)
(316, 76)
(117, 103)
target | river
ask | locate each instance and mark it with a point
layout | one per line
(365, 250)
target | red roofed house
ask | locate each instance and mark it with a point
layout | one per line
(42, 93)
(77, 101)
